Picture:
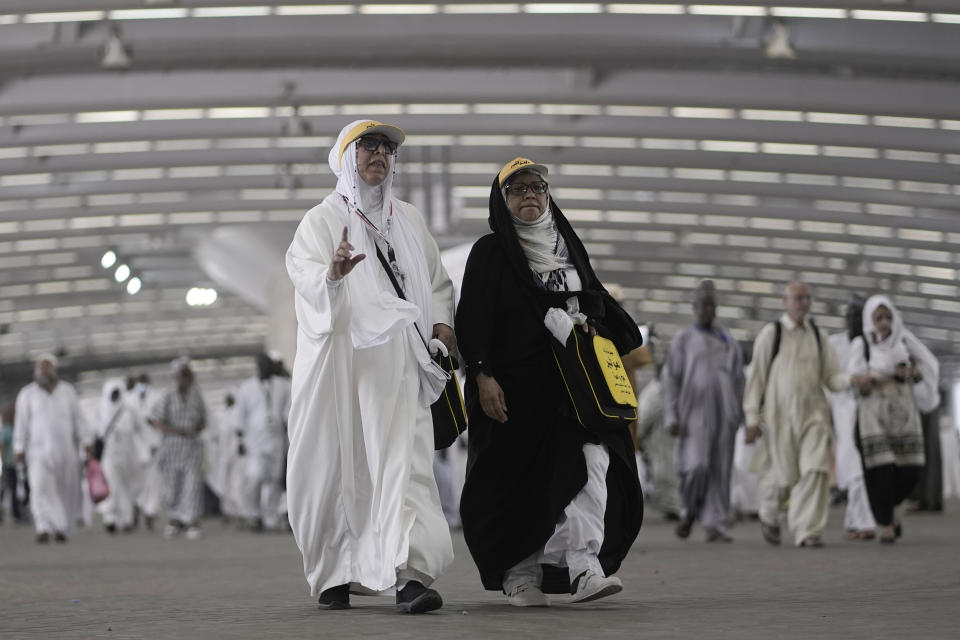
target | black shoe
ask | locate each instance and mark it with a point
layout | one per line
(59, 536)
(683, 528)
(111, 528)
(770, 533)
(43, 538)
(335, 598)
(416, 598)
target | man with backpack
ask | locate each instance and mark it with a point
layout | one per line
(792, 362)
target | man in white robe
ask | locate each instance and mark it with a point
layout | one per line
(703, 395)
(263, 404)
(363, 502)
(49, 432)
(858, 519)
(124, 454)
(141, 399)
(785, 394)
(231, 461)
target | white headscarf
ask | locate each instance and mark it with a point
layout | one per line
(887, 353)
(377, 312)
(109, 408)
(544, 248)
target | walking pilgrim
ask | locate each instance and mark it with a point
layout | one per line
(858, 520)
(362, 499)
(49, 433)
(140, 399)
(263, 403)
(784, 394)
(181, 415)
(660, 490)
(703, 396)
(890, 365)
(123, 456)
(550, 504)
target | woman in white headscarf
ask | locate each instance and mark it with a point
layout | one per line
(888, 361)
(362, 498)
(124, 454)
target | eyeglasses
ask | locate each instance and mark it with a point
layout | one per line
(520, 188)
(371, 144)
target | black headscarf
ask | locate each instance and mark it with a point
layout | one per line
(596, 303)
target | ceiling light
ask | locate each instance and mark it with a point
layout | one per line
(108, 260)
(201, 297)
(133, 287)
(122, 273)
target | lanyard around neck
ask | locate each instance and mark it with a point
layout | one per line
(390, 252)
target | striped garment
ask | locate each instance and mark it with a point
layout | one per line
(181, 457)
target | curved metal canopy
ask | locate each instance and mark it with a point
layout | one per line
(749, 143)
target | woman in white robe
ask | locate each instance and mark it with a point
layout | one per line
(362, 499)
(124, 454)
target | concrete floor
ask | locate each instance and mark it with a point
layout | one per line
(239, 585)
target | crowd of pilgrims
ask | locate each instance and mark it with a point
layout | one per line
(550, 501)
(853, 418)
(157, 450)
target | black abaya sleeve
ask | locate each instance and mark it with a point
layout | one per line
(476, 312)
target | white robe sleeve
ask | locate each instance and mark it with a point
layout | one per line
(926, 392)
(440, 284)
(834, 378)
(672, 377)
(21, 423)
(757, 380)
(857, 363)
(308, 260)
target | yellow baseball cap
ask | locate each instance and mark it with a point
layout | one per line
(520, 164)
(394, 134)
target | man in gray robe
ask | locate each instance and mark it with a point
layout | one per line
(703, 395)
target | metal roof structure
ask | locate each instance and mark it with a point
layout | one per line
(752, 143)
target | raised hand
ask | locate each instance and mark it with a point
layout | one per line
(343, 260)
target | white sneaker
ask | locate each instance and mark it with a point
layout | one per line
(194, 533)
(528, 595)
(593, 586)
(171, 531)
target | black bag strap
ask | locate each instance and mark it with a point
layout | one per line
(778, 333)
(396, 287)
(113, 422)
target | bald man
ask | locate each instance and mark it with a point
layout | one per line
(785, 406)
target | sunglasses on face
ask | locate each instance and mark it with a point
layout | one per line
(371, 144)
(520, 188)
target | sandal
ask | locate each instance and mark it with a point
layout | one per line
(771, 533)
(812, 542)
